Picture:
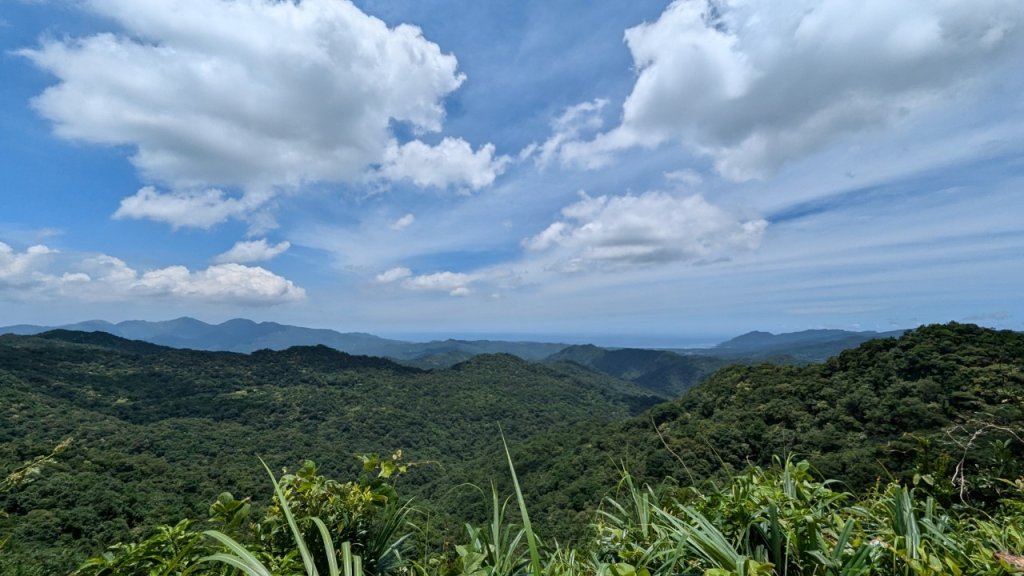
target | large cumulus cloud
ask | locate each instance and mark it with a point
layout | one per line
(757, 83)
(638, 230)
(251, 94)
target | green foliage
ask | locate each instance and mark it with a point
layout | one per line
(170, 551)
(307, 516)
(160, 433)
(921, 434)
(776, 521)
(942, 404)
(531, 538)
(782, 521)
(30, 470)
(19, 476)
(495, 551)
(365, 513)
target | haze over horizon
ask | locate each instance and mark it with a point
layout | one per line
(646, 169)
(244, 335)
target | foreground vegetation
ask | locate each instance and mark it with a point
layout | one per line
(774, 521)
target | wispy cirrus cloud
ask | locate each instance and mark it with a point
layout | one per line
(403, 222)
(574, 123)
(393, 274)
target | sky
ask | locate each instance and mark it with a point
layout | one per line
(632, 171)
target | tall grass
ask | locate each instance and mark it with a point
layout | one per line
(782, 522)
(779, 521)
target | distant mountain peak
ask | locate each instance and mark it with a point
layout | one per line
(101, 339)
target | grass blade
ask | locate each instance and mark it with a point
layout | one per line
(307, 558)
(240, 556)
(531, 538)
(236, 562)
(346, 557)
(325, 535)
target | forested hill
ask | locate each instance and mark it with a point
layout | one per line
(660, 371)
(159, 432)
(885, 409)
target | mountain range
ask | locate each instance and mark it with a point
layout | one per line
(242, 335)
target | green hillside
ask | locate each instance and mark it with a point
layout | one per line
(159, 432)
(887, 409)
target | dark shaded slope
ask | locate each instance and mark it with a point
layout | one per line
(103, 340)
(665, 373)
(321, 357)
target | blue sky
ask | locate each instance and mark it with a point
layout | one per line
(645, 171)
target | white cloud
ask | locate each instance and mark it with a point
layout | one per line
(69, 278)
(253, 251)
(222, 282)
(403, 222)
(39, 273)
(451, 163)
(108, 270)
(653, 227)
(249, 91)
(199, 209)
(690, 178)
(393, 274)
(757, 84)
(259, 95)
(23, 268)
(570, 126)
(454, 283)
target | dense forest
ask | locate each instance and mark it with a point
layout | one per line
(928, 423)
(889, 409)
